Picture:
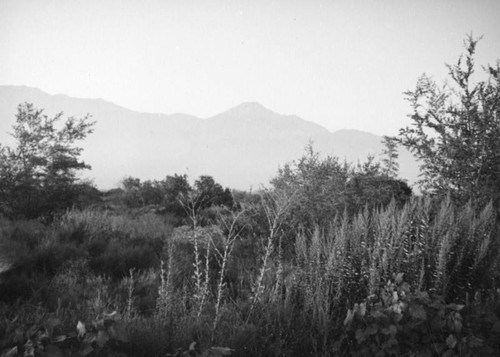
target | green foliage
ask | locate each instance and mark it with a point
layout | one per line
(370, 186)
(401, 322)
(390, 159)
(174, 195)
(232, 277)
(132, 192)
(110, 246)
(271, 273)
(318, 185)
(325, 188)
(252, 299)
(209, 193)
(105, 336)
(193, 351)
(454, 131)
(38, 177)
(175, 187)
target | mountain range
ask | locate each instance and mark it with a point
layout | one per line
(241, 148)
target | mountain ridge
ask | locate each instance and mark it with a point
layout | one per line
(241, 147)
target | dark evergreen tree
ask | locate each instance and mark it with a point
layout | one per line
(210, 193)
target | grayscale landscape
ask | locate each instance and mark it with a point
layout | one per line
(249, 178)
(242, 147)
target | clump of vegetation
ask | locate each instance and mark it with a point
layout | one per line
(398, 321)
(454, 131)
(38, 176)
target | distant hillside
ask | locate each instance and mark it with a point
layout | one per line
(242, 147)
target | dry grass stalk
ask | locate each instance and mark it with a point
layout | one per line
(232, 234)
(130, 297)
(190, 205)
(276, 205)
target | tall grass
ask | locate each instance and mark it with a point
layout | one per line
(99, 224)
(453, 252)
(192, 288)
(448, 250)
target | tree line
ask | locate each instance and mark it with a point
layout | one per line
(453, 131)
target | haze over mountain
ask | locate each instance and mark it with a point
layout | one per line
(241, 148)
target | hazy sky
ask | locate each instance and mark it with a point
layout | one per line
(342, 64)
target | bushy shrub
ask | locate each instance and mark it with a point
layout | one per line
(403, 322)
(104, 336)
(117, 260)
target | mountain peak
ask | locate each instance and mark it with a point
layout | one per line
(252, 108)
(241, 147)
(250, 105)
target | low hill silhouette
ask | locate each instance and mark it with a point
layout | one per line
(241, 147)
